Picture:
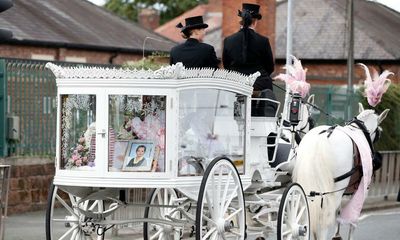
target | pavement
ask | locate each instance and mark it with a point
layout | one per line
(31, 225)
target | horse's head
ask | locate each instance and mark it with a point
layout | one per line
(371, 120)
(307, 122)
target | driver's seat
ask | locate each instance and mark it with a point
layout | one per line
(260, 108)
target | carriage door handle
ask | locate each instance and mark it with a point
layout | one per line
(102, 133)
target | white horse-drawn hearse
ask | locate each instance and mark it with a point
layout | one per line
(216, 171)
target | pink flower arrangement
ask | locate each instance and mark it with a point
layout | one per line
(376, 85)
(80, 155)
(151, 128)
(295, 78)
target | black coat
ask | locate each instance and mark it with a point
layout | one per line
(193, 53)
(258, 56)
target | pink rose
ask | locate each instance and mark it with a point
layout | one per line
(75, 157)
(78, 162)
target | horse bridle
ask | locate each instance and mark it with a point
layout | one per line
(376, 156)
(360, 124)
(310, 124)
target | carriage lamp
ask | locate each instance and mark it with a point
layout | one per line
(294, 109)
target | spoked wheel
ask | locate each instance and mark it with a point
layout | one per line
(293, 215)
(220, 208)
(65, 221)
(161, 196)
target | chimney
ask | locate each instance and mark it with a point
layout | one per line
(149, 18)
(265, 27)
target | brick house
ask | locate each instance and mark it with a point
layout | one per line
(319, 34)
(222, 20)
(75, 31)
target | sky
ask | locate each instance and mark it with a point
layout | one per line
(395, 4)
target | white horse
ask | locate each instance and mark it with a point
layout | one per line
(322, 156)
(306, 122)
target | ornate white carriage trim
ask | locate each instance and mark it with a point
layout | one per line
(177, 71)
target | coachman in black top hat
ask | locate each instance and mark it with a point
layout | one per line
(193, 53)
(247, 51)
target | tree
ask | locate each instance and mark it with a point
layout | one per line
(168, 9)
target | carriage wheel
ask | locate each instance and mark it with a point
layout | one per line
(293, 215)
(220, 208)
(160, 196)
(64, 221)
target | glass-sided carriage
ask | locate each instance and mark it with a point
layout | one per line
(187, 134)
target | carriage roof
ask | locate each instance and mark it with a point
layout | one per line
(168, 77)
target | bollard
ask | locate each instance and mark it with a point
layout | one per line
(5, 171)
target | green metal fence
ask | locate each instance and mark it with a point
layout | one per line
(333, 101)
(28, 107)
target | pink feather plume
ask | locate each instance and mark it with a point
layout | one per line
(295, 78)
(376, 85)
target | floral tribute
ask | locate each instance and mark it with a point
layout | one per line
(295, 78)
(76, 154)
(376, 85)
(144, 121)
(80, 155)
(152, 127)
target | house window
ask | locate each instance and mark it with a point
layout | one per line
(45, 57)
(75, 59)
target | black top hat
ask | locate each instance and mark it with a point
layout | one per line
(192, 23)
(253, 9)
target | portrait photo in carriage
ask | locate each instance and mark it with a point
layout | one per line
(139, 156)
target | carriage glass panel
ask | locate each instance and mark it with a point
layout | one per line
(136, 139)
(211, 124)
(78, 132)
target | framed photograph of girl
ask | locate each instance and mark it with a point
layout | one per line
(139, 156)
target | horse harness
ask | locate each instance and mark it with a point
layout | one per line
(356, 172)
